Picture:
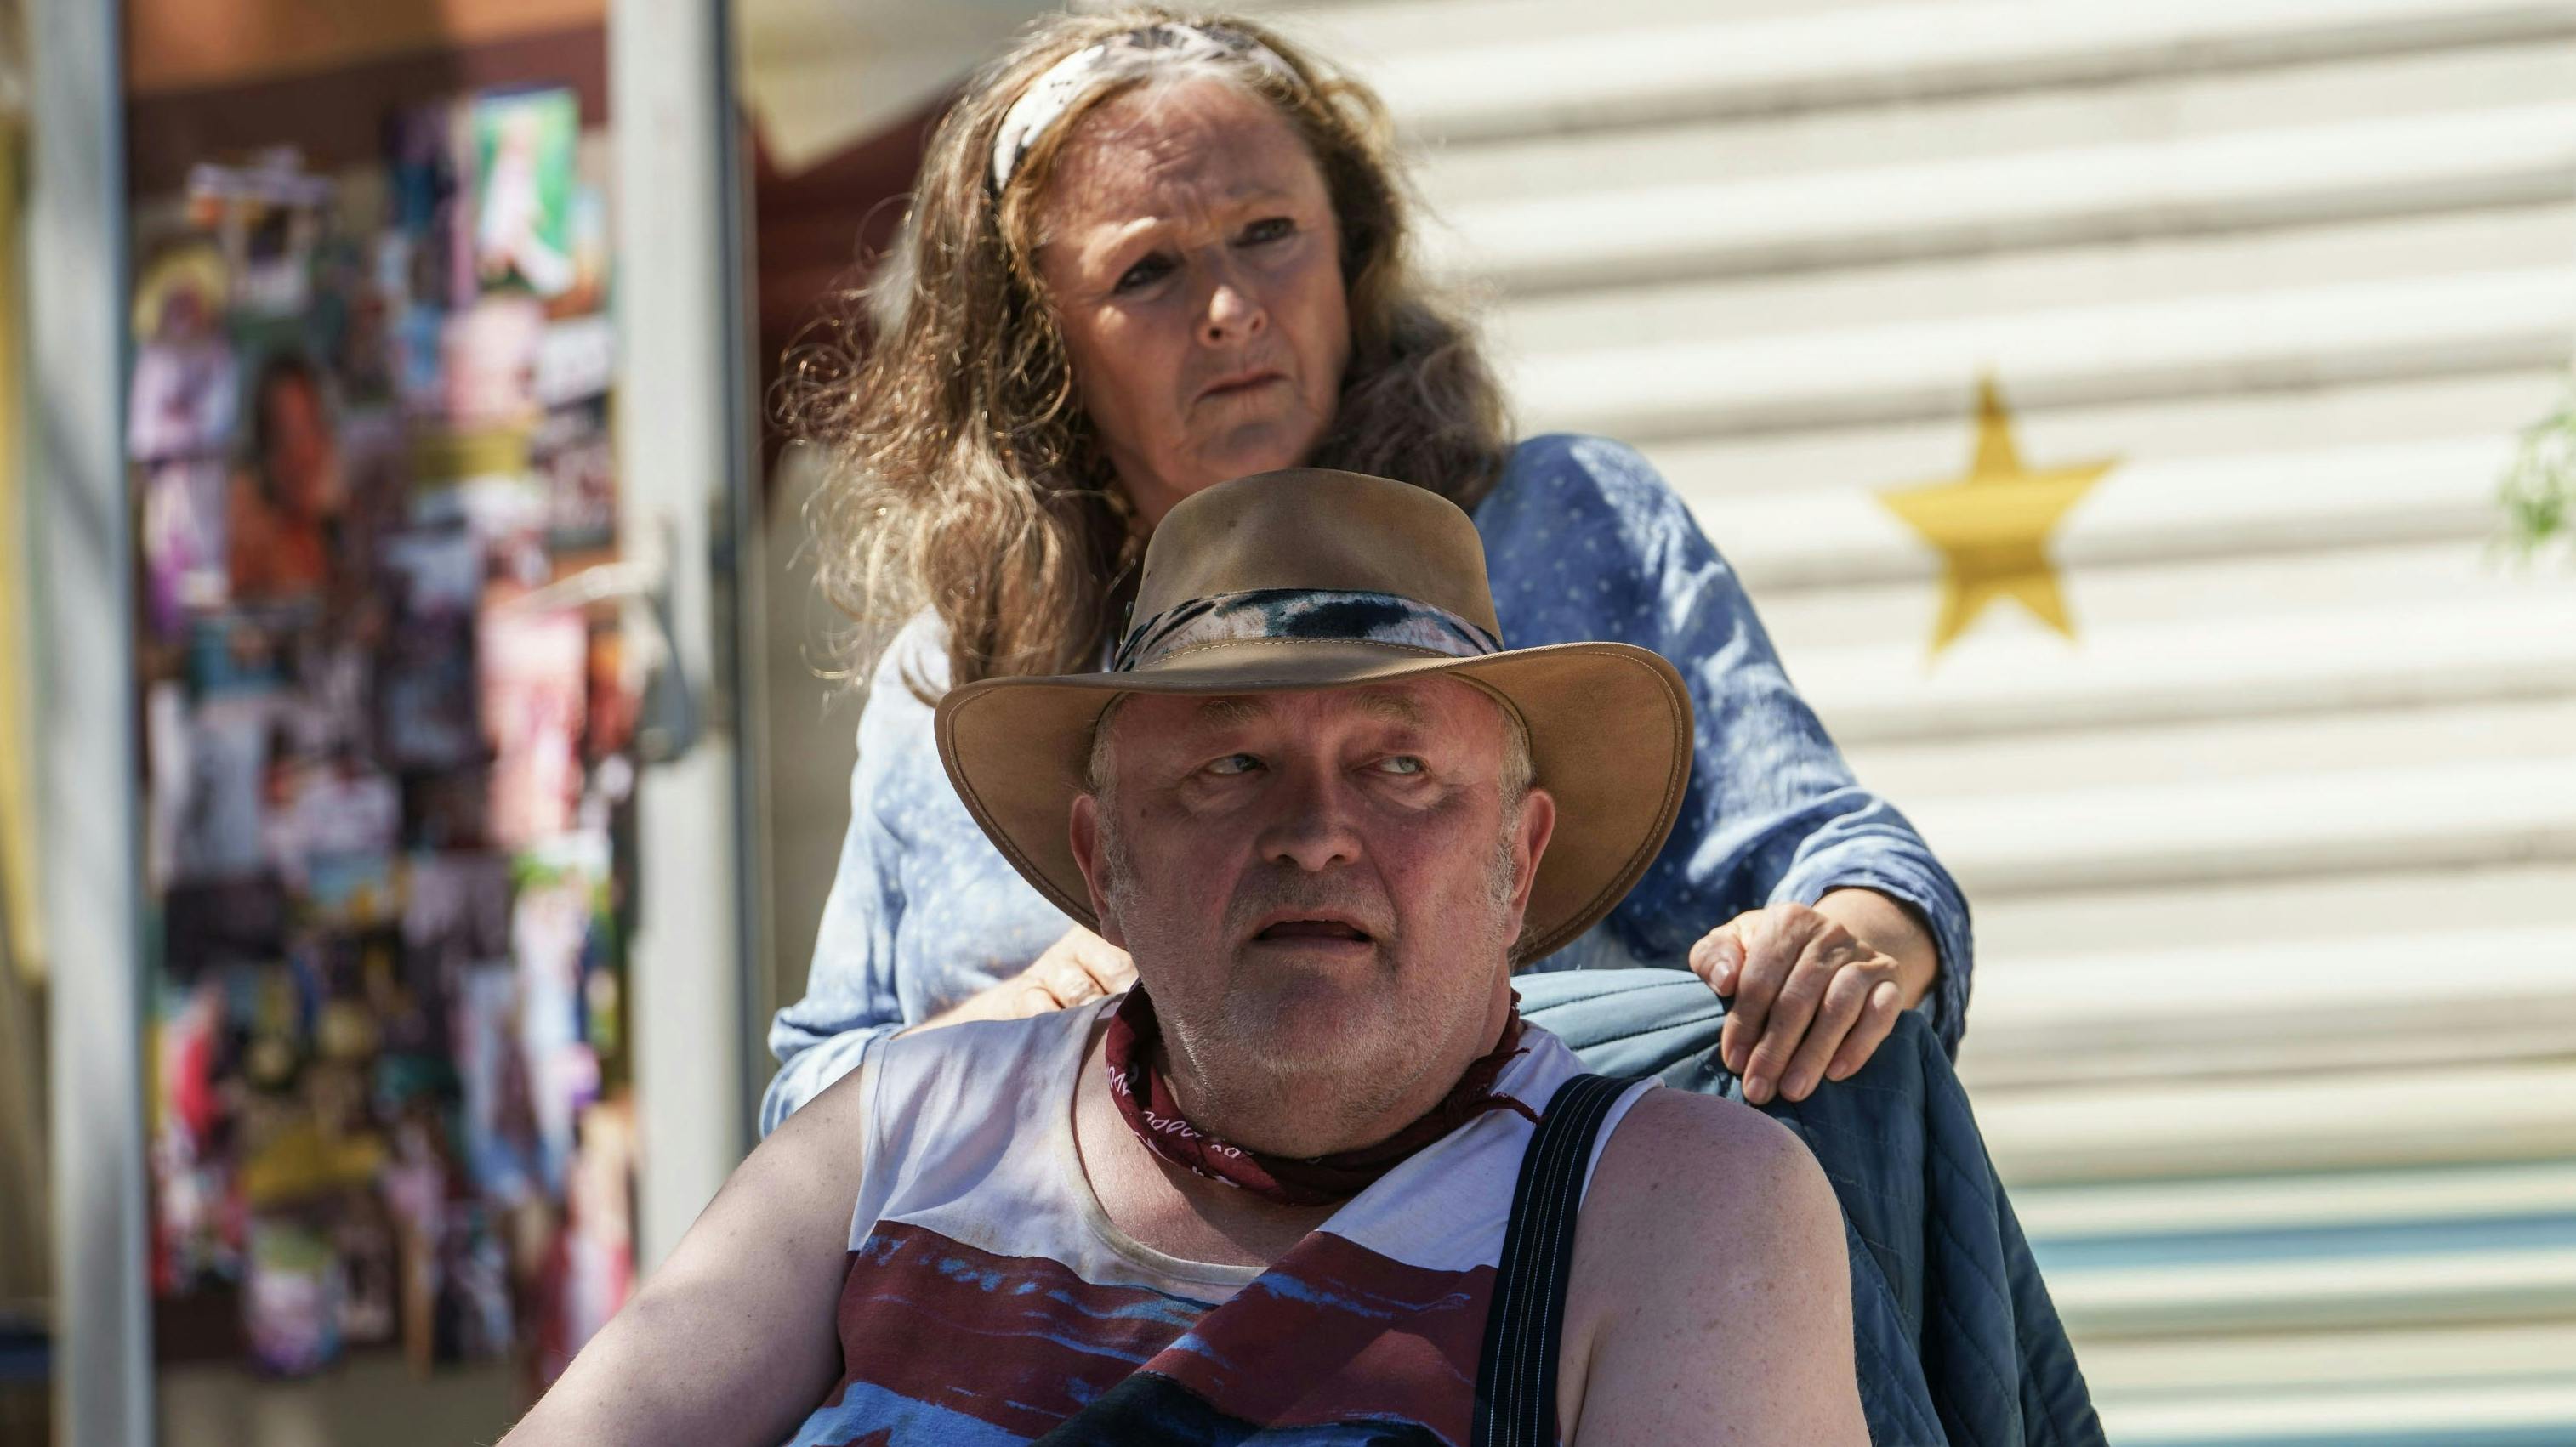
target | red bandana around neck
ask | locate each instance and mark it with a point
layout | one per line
(1145, 1100)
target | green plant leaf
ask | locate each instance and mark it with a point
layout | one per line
(2538, 491)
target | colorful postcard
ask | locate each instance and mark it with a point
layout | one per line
(183, 398)
(475, 1320)
(554, 938)
(531, 670)
(186, 560)
(590, 1271)
(364, 1237)
(500, 1128)
(283, 509)
(571, 450)
(351, 891)
(196, 1234)
(267, 216)
(219, 828)
(327, 716)
(181, 293)
(430, 260)
(239, 653)
(292, 1299)
(456, 910)
(425, 695)
(590, 260)
(488, 363)
(437, 572)
(331, 810)
(524, 154)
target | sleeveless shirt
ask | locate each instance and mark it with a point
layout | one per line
(989, 1298)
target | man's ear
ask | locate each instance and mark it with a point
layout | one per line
(1529, 844)
(1082, 831)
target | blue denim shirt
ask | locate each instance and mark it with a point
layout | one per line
(1584, 541)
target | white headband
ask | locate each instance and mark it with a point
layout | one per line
(1052, 94)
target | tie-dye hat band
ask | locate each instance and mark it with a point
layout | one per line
(1348, 617)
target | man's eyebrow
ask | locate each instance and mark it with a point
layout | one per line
(1395, 707)
(1233, 709)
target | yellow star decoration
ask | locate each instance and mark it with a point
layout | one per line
(1992, 525)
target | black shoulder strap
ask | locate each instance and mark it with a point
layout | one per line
(1516, 1377)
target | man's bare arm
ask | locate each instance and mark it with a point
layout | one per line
(1711, 1299)
(732, 1339)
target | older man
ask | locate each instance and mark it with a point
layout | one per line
(1272, 1189)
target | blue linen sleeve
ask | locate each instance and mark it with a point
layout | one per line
(1586, 540)
(850, 997)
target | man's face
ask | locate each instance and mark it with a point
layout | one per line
(1318, 886)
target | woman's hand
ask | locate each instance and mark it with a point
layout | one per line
(1808, 1000)
(1075, 970)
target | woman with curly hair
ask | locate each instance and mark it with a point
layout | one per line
(1149, 252)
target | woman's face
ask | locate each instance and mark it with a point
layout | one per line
(1188, 245)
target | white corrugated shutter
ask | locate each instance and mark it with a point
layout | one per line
(2273, 861)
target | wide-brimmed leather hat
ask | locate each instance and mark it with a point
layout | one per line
(1310, 579)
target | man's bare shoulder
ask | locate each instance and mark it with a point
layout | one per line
(1736, 1164)
(1679, 1138)
(1711, 1294)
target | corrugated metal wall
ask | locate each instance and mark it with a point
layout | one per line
(2273, 860)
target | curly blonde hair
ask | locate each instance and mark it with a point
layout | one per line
(963, 474)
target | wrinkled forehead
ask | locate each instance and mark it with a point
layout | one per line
(1168, 143)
